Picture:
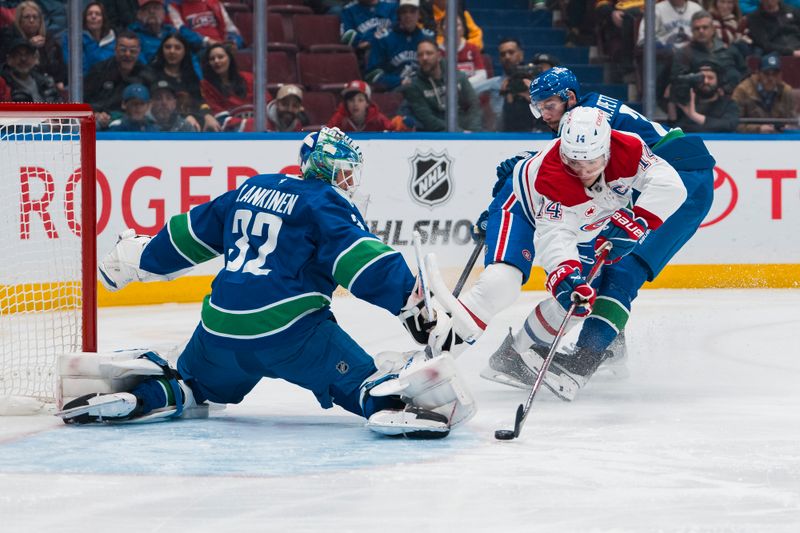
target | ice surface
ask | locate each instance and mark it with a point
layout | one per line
(703, 436)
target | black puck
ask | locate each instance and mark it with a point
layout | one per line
(504, 434)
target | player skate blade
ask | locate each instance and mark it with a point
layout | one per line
(504, 434)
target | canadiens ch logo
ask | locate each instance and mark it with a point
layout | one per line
(430, 182)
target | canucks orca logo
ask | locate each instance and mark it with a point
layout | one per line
(430, 182)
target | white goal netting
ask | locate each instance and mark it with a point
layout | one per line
(41, 275)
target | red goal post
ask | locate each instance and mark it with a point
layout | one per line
(48, 284)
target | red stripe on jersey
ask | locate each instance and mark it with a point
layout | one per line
(477, 320)
(547, 327)
(527, 183)
(502, 236)
(653, 220)
(626, 153)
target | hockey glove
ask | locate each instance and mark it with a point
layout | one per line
(415, 317)
(568, 286)
(624, 231)
(478, 229)
(506, 168)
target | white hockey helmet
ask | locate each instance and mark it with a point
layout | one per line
(585, 135)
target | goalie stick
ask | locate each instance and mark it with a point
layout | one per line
(524, 410)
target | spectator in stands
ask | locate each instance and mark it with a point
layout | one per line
(469, 59)
(106, 80)
(121, 13)
(616, 19)
(426, 94)
(362, 19)
(579, 22)
(136, 103)
(7, 10)
(393, 57)
(472, 32)
(672, 30)
(29, 24)
(55, 16)
(775, 27)
(25, 81)
(206, 19)
(152, 30)
(164, 108)
(730, 25)
(286, 112)
(99, 39)
(707, 108)
(765, 95)
(227, 90)
(673, 23)
(515, 88)
(175, 63)
(705, 46)
(357, 112)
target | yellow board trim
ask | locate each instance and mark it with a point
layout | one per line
(772, 276)
(775, 276)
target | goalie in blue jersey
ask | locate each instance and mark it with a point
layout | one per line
(510, 254)
(287, 243)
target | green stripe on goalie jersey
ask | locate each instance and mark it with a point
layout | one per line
(261, 322)
(188, 245)
(610, 311)
(356, 258)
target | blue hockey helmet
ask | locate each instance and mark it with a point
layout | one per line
(557, 81)
(331, 156)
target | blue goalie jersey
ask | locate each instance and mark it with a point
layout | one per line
(287, 244)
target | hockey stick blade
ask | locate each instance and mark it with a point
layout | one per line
(511, 434)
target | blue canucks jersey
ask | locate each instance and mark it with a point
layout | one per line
(395, 52)
(287, 244)
(624, 118)
(365, 20)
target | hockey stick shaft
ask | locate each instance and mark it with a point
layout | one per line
(524, 410)
(476, 252)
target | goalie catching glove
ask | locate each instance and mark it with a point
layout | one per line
(121, 265)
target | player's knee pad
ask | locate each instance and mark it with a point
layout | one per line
(431, 384)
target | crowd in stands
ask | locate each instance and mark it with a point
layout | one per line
(186, 65)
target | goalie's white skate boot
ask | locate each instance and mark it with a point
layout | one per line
(507, 367)
(96, 407)
(411, 422)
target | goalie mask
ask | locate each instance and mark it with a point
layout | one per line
(331, 156)
(585, 142)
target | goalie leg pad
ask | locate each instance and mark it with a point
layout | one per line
(433, 385)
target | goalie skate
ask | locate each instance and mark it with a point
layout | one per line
(99, 408)
(411, 422)
(507, 367)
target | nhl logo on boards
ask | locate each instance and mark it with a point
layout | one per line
(430, 182)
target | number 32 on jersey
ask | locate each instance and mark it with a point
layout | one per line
(264, 229)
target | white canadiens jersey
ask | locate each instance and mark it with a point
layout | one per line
(565, 213)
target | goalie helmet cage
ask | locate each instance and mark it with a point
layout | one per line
(48, 284)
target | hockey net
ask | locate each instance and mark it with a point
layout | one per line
(47, 238)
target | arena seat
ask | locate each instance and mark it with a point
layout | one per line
(388, 102)
(327, 71)
(287, 14)
(318, 33)
(276, 38)
(319, 106)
